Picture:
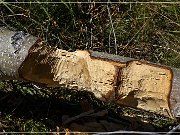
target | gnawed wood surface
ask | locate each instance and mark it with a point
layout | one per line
(174, 99)
(134, 83)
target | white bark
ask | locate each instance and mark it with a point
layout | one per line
(14, 47)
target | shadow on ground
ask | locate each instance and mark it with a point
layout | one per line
(18, 107)
(48, 110)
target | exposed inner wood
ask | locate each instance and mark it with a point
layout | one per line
(133, 83)
(146, 86)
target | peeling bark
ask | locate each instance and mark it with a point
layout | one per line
(123, 80)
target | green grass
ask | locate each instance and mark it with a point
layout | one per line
(143, 31)
(25, 108)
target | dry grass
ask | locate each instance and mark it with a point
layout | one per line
(143, 31)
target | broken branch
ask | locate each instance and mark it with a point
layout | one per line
(134, 83)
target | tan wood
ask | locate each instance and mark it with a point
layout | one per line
(133, 83)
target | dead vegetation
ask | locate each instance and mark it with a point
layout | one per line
(143, 31)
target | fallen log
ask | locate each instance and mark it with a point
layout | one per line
(134, 83)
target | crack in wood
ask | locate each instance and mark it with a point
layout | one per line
(117, 82)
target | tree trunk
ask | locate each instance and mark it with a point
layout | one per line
(134, 83)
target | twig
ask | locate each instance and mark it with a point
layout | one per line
(123, 122)
(77, 117)
(134, 36)
(99, 114)
(164, 16)
(115, 43)
(173, 130)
